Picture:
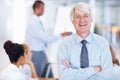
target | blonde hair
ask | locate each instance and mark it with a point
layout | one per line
(80, 7)
(26, 48)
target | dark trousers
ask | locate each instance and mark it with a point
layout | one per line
(40, 62)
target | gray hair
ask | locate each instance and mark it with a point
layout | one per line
(80, 7)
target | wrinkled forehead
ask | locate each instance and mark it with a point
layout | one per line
(82, 12)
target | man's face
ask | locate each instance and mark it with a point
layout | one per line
(82, 22)
(41, 10)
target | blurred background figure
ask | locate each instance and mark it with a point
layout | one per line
(28, 67)
(37, 38)
(4, 61)
(116, 64)
(16, 53)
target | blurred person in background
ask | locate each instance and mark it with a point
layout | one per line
(116, 64)
(28, 67)
(84, 55)
(16, 54)
(4, 62)
(38, 39)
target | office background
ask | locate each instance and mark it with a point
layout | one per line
(14, 15)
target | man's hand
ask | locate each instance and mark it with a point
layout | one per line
(97, 68)
(66, 34)
(66, 63)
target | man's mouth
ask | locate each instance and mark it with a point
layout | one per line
(82, 25)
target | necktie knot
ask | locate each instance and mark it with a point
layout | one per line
(84, 42)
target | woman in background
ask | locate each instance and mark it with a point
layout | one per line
(16, 54)
(116, 64)
(28, 68)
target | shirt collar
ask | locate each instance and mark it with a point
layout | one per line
(36, 17)
(88, 39)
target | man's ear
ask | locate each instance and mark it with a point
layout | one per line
(73, 22)
(91, 20)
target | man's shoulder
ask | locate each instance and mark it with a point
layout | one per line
(98, 37)
(100, 40)
(69, 38)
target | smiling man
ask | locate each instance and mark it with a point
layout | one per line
(84, 55)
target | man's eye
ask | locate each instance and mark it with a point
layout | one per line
(86, 16)
(77, 17)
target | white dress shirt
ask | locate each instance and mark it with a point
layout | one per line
(116, 72)
(99, 55)
(26, 70)
(11, 72)
(36, 37)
